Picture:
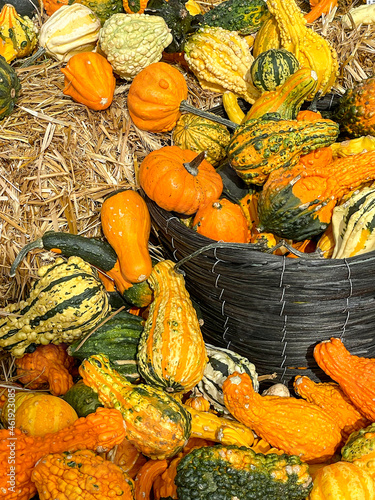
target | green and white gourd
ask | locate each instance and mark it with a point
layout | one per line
(272, 68)
(68, 301)
(221, 364)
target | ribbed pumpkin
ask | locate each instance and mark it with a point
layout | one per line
(272, 68)
(179, 180)
(199, 134)
(155, 96)
(222, 220)
(89, 80)
(9, 88)
(70, 30)
(18, 35)
(171, 352)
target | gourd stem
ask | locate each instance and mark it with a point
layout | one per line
(188, 108)
(23, 252)
(192, 166)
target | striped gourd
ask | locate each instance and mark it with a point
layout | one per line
(221, 364)
(353, 225)
(199, 134)
(171, 351)
(10, 87)
(65, 303)
(70, 30)
(272, 68)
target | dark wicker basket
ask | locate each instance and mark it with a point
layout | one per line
(274, 309)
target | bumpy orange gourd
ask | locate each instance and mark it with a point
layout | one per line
(155, 96)
(89, 80)
(43, 414)
(321, 157)
(48, 365)
(331, 398)
(222, 220)
(99, 431)
(179, 180)
(81, 474)
(290, 424)
(355, 375)
(342, 481)
(126, 224)
(126, 456)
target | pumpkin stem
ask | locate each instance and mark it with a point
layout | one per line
(188, 108)
(192, 166)
(23, 252)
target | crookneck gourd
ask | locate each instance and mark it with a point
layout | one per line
(293, 425)
(298, 203)
(156, 423)
(171, 352)
(65, 303)
(259, 146)
(330, 397)
(354, 374)
(310, 48)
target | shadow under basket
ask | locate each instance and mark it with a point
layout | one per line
(274, 309)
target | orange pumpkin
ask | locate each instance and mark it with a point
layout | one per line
(222, 220)
(89, 80)
(179, 180)
(155, 96)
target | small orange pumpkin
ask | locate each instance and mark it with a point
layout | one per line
(155, 96)
(222, 220)
(179, 180)
(89, 80)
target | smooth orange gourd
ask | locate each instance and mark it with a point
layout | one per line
(146, 477)
(179, 179)
(155, 96)
(89, 80)
(126, 224)
(126, 456)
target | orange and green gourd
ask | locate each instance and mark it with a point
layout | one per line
(360, 449)
(18, 34)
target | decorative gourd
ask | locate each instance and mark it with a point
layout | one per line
(221, 60)
(171, 352)
(131, 42)
(198, 402)
(341, 481)
(360, 449)
(193, 7)
(154, 97)
(241, 473)
(146, 477)
(43, 413)
(268, 37)
(221, 364)
(104, 9)
(10, 87)
(199, 134)
(99, 432)
(333, 400)
(310, 48)
(222, 220)
(319, 158)
(18, 34)
(23, 7)
(354, 374)
(259, 146)
(237, 15)
(308, 115)
(363, 14)
(277, 390)
(82, 398)
(156, 423)
(272, 68)
(59, 474)
(134, 6)
(319, 7)
(126, 224)
(67, 302)
(326, 243)
(178, 19)
(51, 6)
(290, 424)
(232, 108)
(48, 364)
(89, 80)
(353, 146)
(117, 339)
(309, 195)
(13, 402)
(287, 99)
(126, 456)
(70, 30)
(352, 225)
(179, 180)
(356, 110)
